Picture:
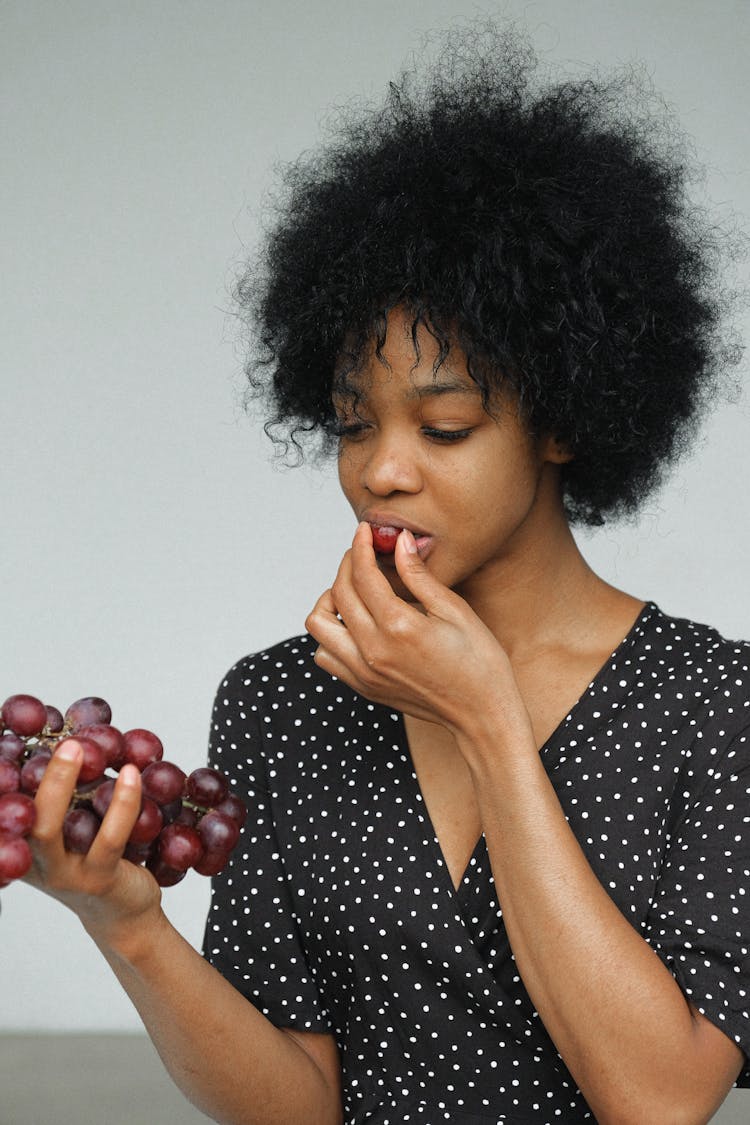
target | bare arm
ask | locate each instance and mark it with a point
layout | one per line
(590, 975)
(225, 1056)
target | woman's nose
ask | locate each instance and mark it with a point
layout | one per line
(390, 467)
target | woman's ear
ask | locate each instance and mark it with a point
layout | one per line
(555, 450)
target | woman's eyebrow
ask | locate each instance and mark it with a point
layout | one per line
(431, 390)
(341, 400)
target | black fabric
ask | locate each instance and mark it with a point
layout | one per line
(337, 912)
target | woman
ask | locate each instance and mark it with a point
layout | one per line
(493, 870)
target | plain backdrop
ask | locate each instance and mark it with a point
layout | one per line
(147, 539)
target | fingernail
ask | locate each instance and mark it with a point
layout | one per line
(129, 775)
(68, 751)
(410, 542)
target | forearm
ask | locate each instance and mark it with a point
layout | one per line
(618, 1018)
(225, 1056)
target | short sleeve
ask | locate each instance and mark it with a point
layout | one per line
(699, 923)
(252, 935)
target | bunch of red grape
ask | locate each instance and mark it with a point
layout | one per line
(185, 820)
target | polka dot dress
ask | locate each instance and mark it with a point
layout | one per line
(337, 912)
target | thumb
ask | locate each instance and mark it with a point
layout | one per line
(428, 591)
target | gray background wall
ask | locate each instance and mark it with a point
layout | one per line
(147, 540)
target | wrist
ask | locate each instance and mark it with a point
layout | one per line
(130, 938)
(494, 734)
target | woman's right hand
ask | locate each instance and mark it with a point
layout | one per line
(110, 895)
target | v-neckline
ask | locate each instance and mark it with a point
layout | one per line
(458, 890)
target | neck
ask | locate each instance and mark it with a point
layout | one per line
(542, 593)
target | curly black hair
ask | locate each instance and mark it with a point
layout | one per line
(541, 227)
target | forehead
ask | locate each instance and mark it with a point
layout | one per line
(408, 358)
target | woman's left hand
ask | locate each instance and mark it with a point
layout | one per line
(438, 662)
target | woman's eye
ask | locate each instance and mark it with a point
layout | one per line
(445, 435)
(349, 430)
(354, 431)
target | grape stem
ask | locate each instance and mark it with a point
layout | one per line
(88, 794)
(191, 805)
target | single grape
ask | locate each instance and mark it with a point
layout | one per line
(165, 875)
(17, 814)
(384, 539)
(234, 807)
(148, 825)
(24, 714)
(163, 782)
(139, 853)
(85, 712)
(11, 746)
(109, 739)
(211, 863)
(32, 771)
(180, 846)
(15, 857)
(89, 787)
(173, 811)
(10, 776)
(55, 721)
(207, 787)
(80, 827)
(102, 796)
(94, 761)
(188, 816)
(218, 831)
(142, 747)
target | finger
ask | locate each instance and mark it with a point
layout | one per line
(347, 593)
(336, 639)
(109, 842)
(339, 608)
(372, 586)
(429, 592)
(322, 614)
(325, 606)
(55, 793)
(344, 669)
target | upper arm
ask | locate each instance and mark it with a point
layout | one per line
(322, 1049)
(721, 1061)
(697, 919)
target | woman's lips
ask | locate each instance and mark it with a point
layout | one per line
(384, 538)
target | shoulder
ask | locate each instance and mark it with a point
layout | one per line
(267, 709)
(698, 680)
(286, 667)
(687, 652)
(680, 635)
(281, 688)
(279, 717)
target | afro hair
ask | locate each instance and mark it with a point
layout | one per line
(543, 227)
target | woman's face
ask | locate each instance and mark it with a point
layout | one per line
(419, 451)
